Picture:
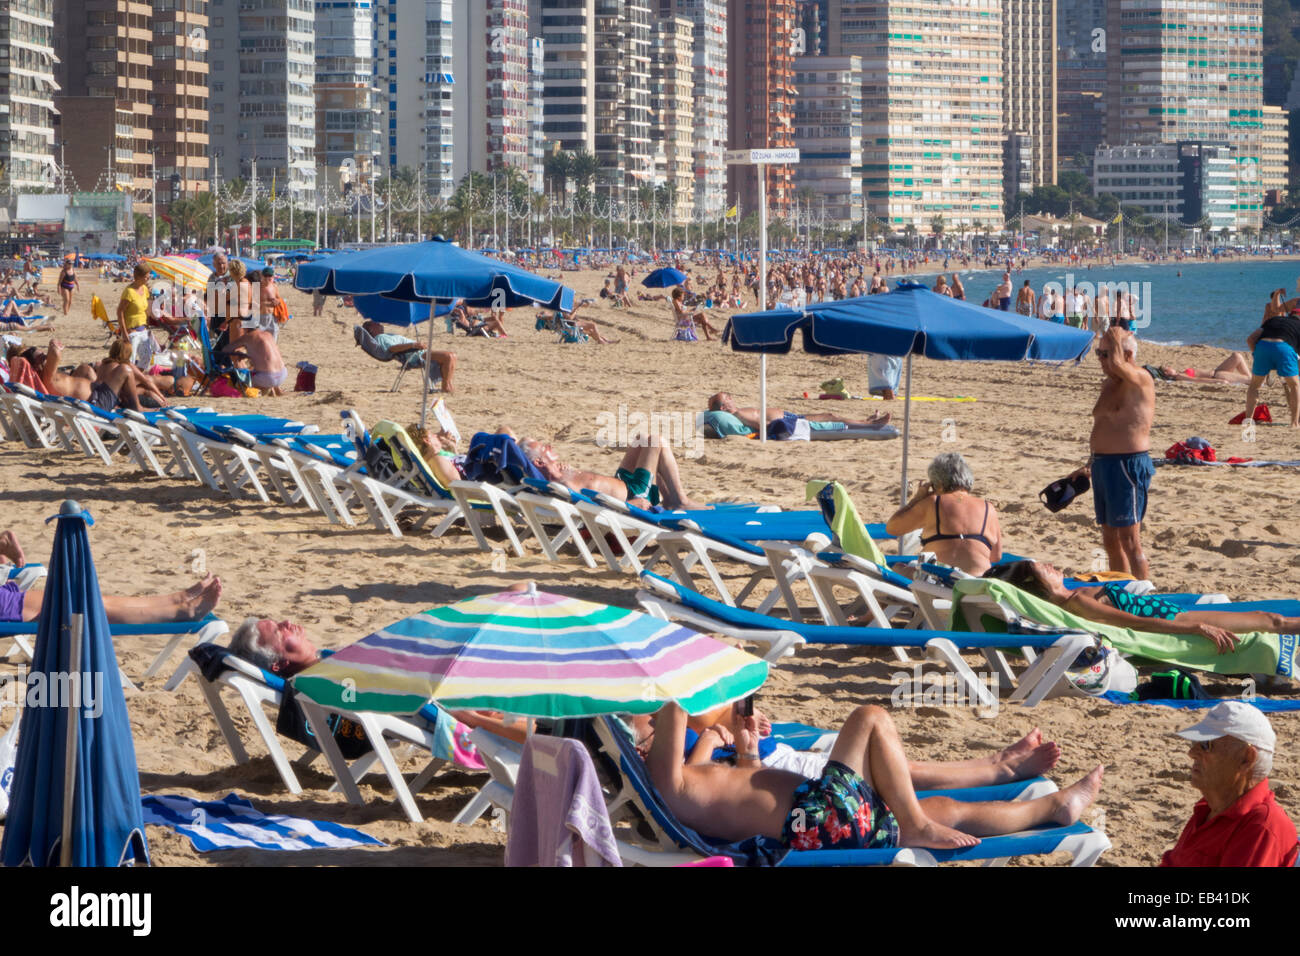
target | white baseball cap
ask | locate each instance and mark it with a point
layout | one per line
(1234, 718)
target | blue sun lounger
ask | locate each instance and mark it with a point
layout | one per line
(679, 843)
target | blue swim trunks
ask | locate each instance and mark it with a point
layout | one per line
(11, 603)
(1119, 488)
(1277, 357)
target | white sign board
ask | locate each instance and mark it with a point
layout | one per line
(771, 157)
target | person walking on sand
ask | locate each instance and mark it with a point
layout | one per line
(1120, 467)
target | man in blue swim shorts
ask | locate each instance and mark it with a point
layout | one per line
(864, 799)
(1276, 344)
(723, 402)
(1121, 468)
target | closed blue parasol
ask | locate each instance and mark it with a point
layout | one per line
(76, 791)
(909, 321)
(433, 271)
(664, 278)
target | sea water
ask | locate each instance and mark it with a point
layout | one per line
(1188, 303)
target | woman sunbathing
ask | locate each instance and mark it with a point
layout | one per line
(1234, 370)
(1111, 604)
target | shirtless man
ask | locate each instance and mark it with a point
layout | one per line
(723, 402)
(263, 354)
(115, 383)
(1003, 293)
(647, 470)
(1101, 308)
(868, 775)
(1120, 467)
(1026, 300)
(401, 345)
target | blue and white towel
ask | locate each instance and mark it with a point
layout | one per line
(233, 823)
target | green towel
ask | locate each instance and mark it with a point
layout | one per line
(1257, 653)
(848, 528)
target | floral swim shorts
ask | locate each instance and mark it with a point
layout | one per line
(840, 811)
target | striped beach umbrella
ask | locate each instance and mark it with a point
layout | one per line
(180, 270)
(533, 654)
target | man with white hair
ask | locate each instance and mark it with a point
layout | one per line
(1237, 823)
(1120, 467)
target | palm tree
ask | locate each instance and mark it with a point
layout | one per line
(584, 167)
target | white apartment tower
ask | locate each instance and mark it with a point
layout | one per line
(347, 101)
(27, 95)
(709, 81)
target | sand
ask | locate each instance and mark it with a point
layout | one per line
(1208, 529)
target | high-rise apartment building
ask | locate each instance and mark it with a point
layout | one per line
(1185, 70)
(492, 91)
(932, 108)
(414, 63)
(347, 100)
(1187, 182)
(1029, 93)
(760, 96)
(568, 29)
(104, 50)
(1275, 155)
(828, 132)
(27, 150)
(1081, 47)
(672, 103)
(180, 97)
(262, 99)
(709, 81)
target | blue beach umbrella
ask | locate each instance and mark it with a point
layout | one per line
(909, 321)
(664, 278)
(433, 271)
(76, 791)
(391, 312)
(250, 265)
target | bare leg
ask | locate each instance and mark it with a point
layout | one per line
(1116, 557)
(1235, 363)
(1027, 757)
(869, 745)
(992, 819)
(880, 418)
(1243, 622)
(189, 605)
(446, 362)
(1292, 387)
(1129, 542)
(1252, 394)
(11, 549)
(670, 481)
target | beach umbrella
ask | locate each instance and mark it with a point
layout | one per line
(75, 799)
(664, 278)
(433, 271)
(533, 654)
(181, 271)
(391, 312)
(250, 265)
(909, 321)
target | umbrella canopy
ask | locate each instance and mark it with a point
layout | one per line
(391, 312)
(181, 271)
(663, 278)
(909, 321)
(250, 265)
(534, 654)
(428, 271)
(95, 795)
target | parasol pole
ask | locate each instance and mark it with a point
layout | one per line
(428, 357)
(907, 433)
(762, 302)
(70, 742)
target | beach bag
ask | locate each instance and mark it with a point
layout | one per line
(1100, 669)
(8, 754)
(221, 388)
(1061, 492)
(1175, 684)
(349, 735)
(306, 381)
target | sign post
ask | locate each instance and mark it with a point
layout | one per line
(762, 158)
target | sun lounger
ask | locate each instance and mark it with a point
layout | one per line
(223, 464)
(676, 843)
(1049, 652)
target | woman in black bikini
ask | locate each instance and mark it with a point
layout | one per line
(959, 528)
(67, 283)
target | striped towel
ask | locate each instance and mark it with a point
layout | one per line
(232, 824)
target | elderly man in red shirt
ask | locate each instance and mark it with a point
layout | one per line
(1238, 823)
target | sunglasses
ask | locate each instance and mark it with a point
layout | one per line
(1103, 353)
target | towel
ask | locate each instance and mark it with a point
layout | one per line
(498, 459)
(843, 519)
(558, 817)
(233, 824)
(1257, 652)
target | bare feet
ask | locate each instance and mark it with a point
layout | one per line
(198, 600)
(880, 418)
(934, 836)
(1027, 757)
(1075, 798)
(11, 549)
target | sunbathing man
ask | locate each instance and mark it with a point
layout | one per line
(718, 730)
(400, 345)
(723, 402)
(868, 780)
(115, 383)
(191, 604)
(647, 471)
(1111, 604)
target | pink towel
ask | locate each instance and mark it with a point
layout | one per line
(558, 817)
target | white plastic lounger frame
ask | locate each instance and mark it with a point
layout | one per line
(543, 508)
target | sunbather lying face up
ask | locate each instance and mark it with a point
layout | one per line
(1112, 604)
(281, 647)
(646, 475)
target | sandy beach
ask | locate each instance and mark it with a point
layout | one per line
(1213, 529)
